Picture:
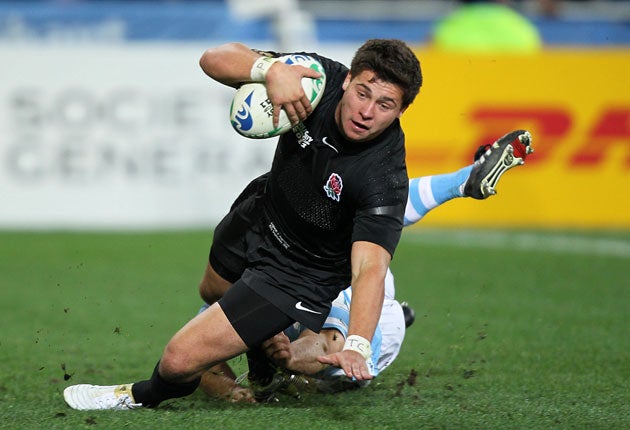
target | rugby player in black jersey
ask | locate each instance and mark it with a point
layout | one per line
(295, 352)
(330, 214)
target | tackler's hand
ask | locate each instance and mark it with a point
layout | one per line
(278, 349)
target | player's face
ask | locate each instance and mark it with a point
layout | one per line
(368, 106)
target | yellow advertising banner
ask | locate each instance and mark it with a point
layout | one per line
(576, 104)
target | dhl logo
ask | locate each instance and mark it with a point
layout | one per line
(552, 128)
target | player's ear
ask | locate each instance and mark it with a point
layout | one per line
(402, 111)
(346, 81)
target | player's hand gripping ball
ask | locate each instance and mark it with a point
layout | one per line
(251, 112)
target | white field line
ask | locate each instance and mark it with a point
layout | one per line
(542, 241)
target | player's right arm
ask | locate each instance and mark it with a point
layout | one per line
(369, 267)
(234, 63)
(229, 64)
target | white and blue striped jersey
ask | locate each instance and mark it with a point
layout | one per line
(387, 340)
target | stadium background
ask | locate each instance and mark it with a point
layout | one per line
(106, 120)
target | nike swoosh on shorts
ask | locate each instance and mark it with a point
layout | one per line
(300, 307)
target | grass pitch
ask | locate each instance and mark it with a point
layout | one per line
(513, 330)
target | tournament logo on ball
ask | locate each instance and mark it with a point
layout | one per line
(251, 112)
(243, 117)
(333, 187)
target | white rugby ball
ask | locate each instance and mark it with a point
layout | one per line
(251, 113)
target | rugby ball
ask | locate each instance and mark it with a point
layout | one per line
(251, 113)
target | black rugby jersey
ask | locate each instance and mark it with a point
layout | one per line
(325, 192)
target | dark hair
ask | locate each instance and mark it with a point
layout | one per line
(392, 61)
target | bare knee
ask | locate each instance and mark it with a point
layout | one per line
(204, 341)
(175, 365)
(212, 286)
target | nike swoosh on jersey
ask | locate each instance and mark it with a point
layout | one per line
(300, 307)
(325, 142)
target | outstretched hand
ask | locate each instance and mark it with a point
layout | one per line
(284, 88)
(351, 362)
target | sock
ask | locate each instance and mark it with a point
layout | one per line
(261, 369)
(428, 192)
(154, 391)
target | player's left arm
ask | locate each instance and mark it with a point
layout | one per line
(369, 267)
(300, 356)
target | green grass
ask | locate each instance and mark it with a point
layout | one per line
(506, 336)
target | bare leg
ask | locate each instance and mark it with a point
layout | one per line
(204, 341)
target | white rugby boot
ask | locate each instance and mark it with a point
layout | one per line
(85, 397)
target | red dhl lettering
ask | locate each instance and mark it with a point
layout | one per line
(612, 129)
(551, 128)
(547, 124)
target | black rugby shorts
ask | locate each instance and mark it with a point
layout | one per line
(228, 253)
(254, 318)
